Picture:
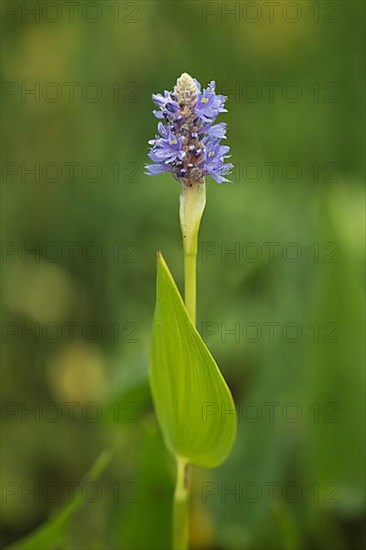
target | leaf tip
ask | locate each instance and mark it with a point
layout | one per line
(161, 261)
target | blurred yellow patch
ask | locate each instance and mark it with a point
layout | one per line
(77, 373)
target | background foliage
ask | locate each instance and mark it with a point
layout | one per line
(129, 216)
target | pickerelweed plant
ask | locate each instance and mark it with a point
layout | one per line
(186, 383)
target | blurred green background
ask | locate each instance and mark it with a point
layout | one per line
(295, 479)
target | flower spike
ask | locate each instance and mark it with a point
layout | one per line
(189, 142)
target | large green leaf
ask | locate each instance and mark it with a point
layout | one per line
(193, 403)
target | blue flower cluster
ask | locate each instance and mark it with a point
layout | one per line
(188, 144)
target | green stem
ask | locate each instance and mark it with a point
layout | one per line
(190, 261)
(191, 207)
(180, 509)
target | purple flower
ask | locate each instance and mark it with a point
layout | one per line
(209, 105)
(188, 144)
(168, 148)
(216, 131)
(214, 165)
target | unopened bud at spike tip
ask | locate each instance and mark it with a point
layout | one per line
(186, 86)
